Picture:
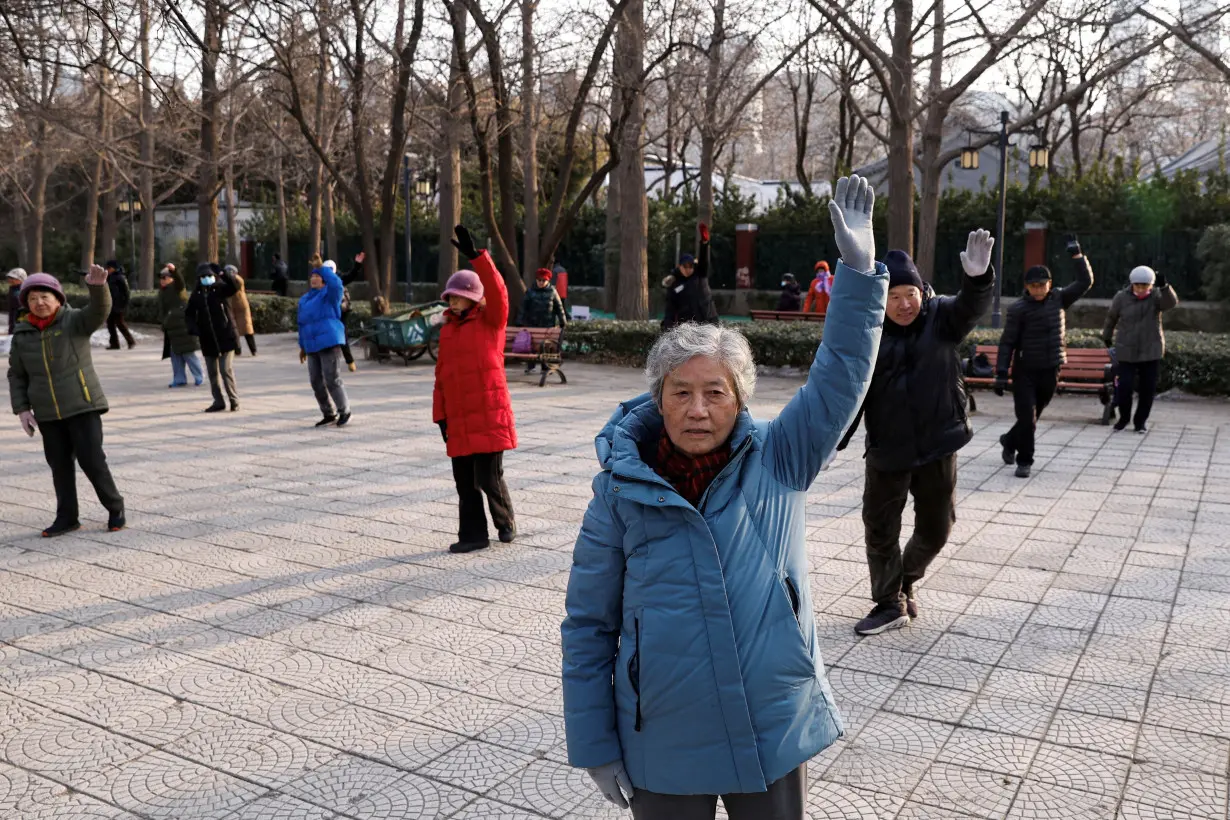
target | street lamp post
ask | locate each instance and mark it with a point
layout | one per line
(408, 160)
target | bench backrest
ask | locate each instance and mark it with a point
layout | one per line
(1083, 362)
(786, 316)
(538, 335)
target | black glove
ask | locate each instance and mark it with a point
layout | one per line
(1109, 343)
(1001, 384)
(443, 429)
(1073, 246)
(1160, 281)
(464, 243)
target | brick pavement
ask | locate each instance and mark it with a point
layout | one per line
(280, 633)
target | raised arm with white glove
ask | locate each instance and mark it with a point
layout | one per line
(850, 210)
(976, 258)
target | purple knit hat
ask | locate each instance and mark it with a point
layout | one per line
(41, 281)
(464, 283)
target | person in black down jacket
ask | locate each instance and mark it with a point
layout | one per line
(209, 318)
(121, 295)
(916, 420)
(791, 297)
(1033, 345)
(688, 298)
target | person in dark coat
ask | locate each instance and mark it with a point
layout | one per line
(541, 307)
(354, 275)
(1033, 345)
(56, 392)
(121, 295)
(209, 319)
(688, 298)
(281, 275)
(15, 278)
(916, 417)
(791, 297)
(1134, 326)
(179, 345)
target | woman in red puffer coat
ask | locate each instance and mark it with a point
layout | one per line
(471, 402)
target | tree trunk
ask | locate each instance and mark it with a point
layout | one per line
(529, 146)
(89, 233)
(901, 130)
(207, 175)
(232, 225)
(932, 139)
(330, 220)
(145, 175)
(110, 224)
(316, 181)
(610, 255)
(449, 167)
(1074, 139)
(709, 121)
(280, 193)
(23, 236)
(632, 299)
(38, 198)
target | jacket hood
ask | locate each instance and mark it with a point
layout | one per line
(637, 421)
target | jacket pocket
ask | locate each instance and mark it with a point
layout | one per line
(794, 597)
(634, 669)
(85, 390)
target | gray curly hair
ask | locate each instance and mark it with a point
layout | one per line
(674, 348)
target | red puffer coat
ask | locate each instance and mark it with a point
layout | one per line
(471, 391)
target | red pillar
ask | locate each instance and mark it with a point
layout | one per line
(745, 255)
(1035, 244)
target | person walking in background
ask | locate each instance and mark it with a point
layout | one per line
(15, 278)
(355, 275)
(1134, 326)
(917, 419)
(688, 298)
(208, 316)
(55, 391)
(280, 276)
(791, 298)
(179, 345)
(121, 295)
(819, 290)
(541, 307)
(470, 401)
(241, 310)
(321, 336)
(1033, 345)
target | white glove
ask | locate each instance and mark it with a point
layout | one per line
(850, 210)
(96, 276)
(976, 258)
(613, 781)
(27, 421)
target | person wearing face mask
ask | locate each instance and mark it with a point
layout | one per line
(208, 315)
(1033, 345)
(916, 418)
(1134, 326)
(55, 391)
(791, 297)
(819, 290)
(470, 402)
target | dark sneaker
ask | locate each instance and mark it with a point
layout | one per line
(1142, 429)
(1022, 470)
(911, 604)
(882, 619)
(234, 406)
(468, 546)
(1120, 424)
(507, 534)
(343, 419)
(1009, 455)
(215, 408)
(116, 522)
(327, 420)
(59, 528)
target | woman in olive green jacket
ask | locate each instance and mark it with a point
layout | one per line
(1134, 327)
(55, 390)
(179, 345)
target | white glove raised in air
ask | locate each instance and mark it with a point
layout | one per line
(976, 258)
(850, 210)
(97, 275)
(614, 783)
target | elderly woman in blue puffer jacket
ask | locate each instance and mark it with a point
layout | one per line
(690, 661)
(321, 336)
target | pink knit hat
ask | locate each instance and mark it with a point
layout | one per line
(464, 283)
(41, 281)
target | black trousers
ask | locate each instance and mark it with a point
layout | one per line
(80, 438)
(785, 800)
(250, 338)
(475, 475)
(1141, 377)
(115, 321)
(280, 286)
(933, 485)
(1032, 391)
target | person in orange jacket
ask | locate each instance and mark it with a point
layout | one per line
(819, 289)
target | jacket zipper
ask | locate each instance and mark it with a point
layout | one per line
(634, 671)
(50, 384)
(84, 388)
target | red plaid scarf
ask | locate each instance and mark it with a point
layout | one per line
(689, 475)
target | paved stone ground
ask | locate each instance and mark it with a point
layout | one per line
(281, 634)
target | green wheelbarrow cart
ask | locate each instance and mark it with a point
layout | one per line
(408, 335)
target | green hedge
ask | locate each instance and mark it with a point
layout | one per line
(1195, 362)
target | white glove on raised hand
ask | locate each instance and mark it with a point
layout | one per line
(614, 783)
(96, 276)
(27, 421)
(850, 210)
(976, 258)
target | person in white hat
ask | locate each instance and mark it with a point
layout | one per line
(15, 278)
(1134, 328)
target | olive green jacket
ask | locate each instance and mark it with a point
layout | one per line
(171, 302)
(1134, 325)
(51, 371)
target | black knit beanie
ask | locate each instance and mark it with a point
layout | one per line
(901, 270)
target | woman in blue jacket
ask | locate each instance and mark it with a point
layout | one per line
(690, 662)
(321, 336)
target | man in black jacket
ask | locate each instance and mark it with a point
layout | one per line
(1033, 345)
(208, 315)
(688, 298)
(916, 420)
(121, 296)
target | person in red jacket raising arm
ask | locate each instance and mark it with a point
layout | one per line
(471, 402)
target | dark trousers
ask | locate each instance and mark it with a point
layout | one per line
(325, 374)
(785, 800)
(115, 321)
(251, 340)
(280, 286)
(475, 475)
(1032, 391)
(1141, 377)
(78, 438)
(895, 571)
(222, 375)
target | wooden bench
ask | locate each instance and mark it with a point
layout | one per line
(786, 316)
(1087, 370)
(545, 347)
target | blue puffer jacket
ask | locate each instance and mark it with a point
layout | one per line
(320, 315)
(690, 646)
